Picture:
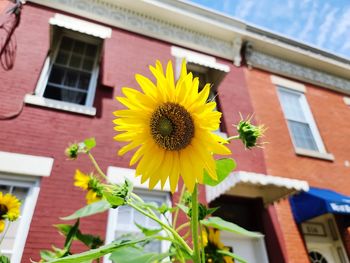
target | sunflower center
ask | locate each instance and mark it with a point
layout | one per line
(172, 126)
(3, 210)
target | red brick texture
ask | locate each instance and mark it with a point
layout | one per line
(330, 114)
(46, 132)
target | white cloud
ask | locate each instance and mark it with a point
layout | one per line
(343, 25)
(325, 27)
(243, 8)
(310, 23)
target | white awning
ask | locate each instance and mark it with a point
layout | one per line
(199, 59)
(81, 26)
(247, 184)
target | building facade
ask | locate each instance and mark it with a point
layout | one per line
(67, 60)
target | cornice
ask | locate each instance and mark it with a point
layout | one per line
(296, 71)
(112, 14)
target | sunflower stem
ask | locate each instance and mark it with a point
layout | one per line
(236, 137)
(177, 209)
(202, 243)
(194, 223)
(165, 226)
(97, 167)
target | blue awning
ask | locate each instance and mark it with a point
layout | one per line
(316, 202)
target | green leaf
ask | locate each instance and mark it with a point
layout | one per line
(91, 209)
(90, 241)
(217, 222)
(148, 231)
(90, 143)
(223, 168)
(71, 235)
(4, 259)
(232, 255)
(136, 255)
(113, 199)
(99, 252)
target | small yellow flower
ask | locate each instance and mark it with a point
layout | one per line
(211, 243)
(92, 197)
(89, 183)
(9, 207)
(172, 127)
(81, 180)
(2, 225)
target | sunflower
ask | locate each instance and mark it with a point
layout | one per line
(212, 243)
(171, 125)
(89, 183)
(9, 207)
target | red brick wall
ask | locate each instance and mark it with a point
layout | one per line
(46, 132)
(330, 114)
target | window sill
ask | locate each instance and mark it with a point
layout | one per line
(59, 105)
(314, 154)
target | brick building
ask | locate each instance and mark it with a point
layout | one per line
(71, 59)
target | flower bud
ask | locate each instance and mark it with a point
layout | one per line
(72, 151)
(249, 133)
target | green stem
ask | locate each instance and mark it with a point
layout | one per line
(194, 224)
(97, 167)
(177, 209)
(183, 226)
(202, 245)
(236, 137)
(165, 226)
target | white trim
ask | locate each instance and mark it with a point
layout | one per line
(286, 83)
(314, 154)
(347, 100)
(118, 174)
(270, 188)
(25, 164)
(81, 26)
(59, 105)
(198, 58)
(26, 214)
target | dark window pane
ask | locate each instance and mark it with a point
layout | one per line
(91, 50)
(84, 81)
(62, 58)
(88, 64)
(52, 92)
(65, 95)
(75, 61)
(66, 43)
(57, 75)
(78, 47)
(71, 79)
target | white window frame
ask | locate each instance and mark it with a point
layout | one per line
(118, 175)
(38, 99)
(29, 173)
(33, 185)
(298, 89)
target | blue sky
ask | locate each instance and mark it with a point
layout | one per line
(321, 23)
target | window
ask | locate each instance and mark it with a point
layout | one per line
(122, 221)
(27, 191)
(72, 75)
(206, 75)
(207, 69)
(301, 124)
